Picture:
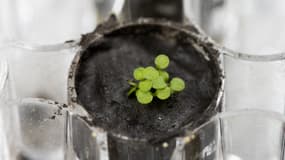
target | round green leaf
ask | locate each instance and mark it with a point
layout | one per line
(150, 73)
(145, 85)
(159, 83)
(165, 75)
(161, 61)
(139, 73)
(177, 84)
(163, 93)
(144, 97)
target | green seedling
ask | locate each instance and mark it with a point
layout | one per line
(154, 82)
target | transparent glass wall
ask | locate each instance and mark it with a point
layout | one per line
(33, 35)
(47, 22)
(34, 129)
(41, 71)
(234, 135)
(253, 34)
(255, 82)
(238, 135)
(254, 27)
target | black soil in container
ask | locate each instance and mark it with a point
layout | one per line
(107, 64)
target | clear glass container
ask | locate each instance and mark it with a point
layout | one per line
(254, 82)
(35, 129)
(52, 21)
(234, 135)
(33, 39)
(252, 32)
(253, 27)
(93, 143)
(97, 144)
(48, 22)
(40, 71)
(237, 135)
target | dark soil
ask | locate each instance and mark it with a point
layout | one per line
(107, 64)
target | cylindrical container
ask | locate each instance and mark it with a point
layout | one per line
(39, 41)
(34, 129)
(253, 33)
(40, 71)
(92, 142)
(239, 135)
(248, 26)
(47, 22)
(254, 82)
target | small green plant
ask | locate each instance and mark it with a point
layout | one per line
(154, 82)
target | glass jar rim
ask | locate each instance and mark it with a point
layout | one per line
(45, 47)
(250, 57)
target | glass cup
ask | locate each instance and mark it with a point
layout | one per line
(237, 135)
(34, 33)
(253, 34)
(233, 135)
(91, 142)
(254, 27)
(254, 82)
(51, 21)
(34, 129)
(40, 71)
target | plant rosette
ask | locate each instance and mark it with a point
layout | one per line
(154, 82)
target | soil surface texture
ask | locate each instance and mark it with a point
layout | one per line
(108, 63)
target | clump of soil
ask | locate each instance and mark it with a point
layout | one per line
(108, 63)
